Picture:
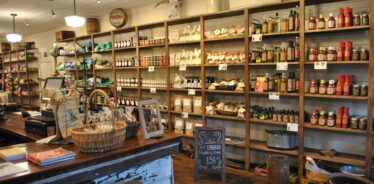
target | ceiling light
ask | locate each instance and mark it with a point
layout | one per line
(13, 37)
(53, 13)
(98, 1)
(74, 20)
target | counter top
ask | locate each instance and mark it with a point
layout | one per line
(15, 126)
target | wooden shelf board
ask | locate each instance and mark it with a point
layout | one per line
(103, 69)
(225, 91)
(150, 46)
(189, 114)
(157, 89)
(261, 145)
(268, 121)
(126, 68)
(339, 158)
(342, 29)
(146, 67)
(336, 96)
(216, 116)
(224, 39)
(272, 64)
(291, 33)
(124, 49)
(334, 129)
(183, 89)
(267, 93)
(339, 62)
(187, 66)
(104, 51)
(126, 87)
(227, 143)
(228, 65)
(184, 42)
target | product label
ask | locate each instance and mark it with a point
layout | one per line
(282, 66)
(273, 96)
(191, 91)
(257, 38)
(321, 65)
(119, 88)
(151, 69)
(222, 67)
(292, 127)
(182, 67)
(152, 90)
(185, 115)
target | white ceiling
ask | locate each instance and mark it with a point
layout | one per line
(39, 12)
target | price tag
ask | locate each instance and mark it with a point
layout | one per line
(151, 69)
(282, 66)
(119, 88)
(257, 38)
(273, 96)
(191, 91)
(292, 127)
(153, 90)
(222, 67)
(182, 67)
(321, 65)
(185, 115)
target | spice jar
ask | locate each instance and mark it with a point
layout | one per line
(313, 56)
(322, 118)
(364, 90)
(364, 55)
(321, 22)
(331, 88)
(362, 123)
(356, 90)
(356, 20)
(322, 87)
(331, 54)
(354, 123)
(314, 119)
(314, 87)
(331, 119)
(312, 24)
(322, 54)
(364, 19)
(356, 55)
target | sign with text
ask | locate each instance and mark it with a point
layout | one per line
(282, 66)
(320, 65)
(210, 151)
(191, 91)
(153, 90)
(273, 96)
(182, 67)
(257, 38)
(151, 69)
(222, 67)
(292, 127)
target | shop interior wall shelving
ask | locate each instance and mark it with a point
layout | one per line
(301, 100)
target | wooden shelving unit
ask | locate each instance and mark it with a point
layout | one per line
(246, 68)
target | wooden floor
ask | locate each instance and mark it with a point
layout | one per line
(184, 174)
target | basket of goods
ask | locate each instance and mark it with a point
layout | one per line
(99, 136)
(227, 109)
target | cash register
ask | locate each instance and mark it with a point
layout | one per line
(45, 124)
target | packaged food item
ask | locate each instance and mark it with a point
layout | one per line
(331, 54)
(322, 55)
(322, 118)
(341, 18)
(331, 89)
(314, 87)
(321, 22)
(178, 125)
(345, 119)
(364, 90)
(340, 53)
(364, 19)
(331, 119)
(354, 123)
(339, 117)
(364, 55)
(348, 19)
(356, 20)
(189, 127)
(322, 87)
(315, 117)
(178, 104)
(312, 24)
(187, 104)
(197, 104)
(356, 90)
(331, 23)
(313, 54)
(362, 123)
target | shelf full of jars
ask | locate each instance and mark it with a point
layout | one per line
(274, 68)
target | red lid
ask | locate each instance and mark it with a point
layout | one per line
(340, 110)
(349, 10)
(341, 10)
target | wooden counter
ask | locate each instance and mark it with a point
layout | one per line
(88, 166)
(15, 126)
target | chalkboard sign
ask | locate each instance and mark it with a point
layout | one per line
(210, 151)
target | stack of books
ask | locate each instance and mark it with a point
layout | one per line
(51, 156)
(12, 154)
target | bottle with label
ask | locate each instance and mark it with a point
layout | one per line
(284, 23)
(277, 27)
(290, 52)
(331, 119)
(331, 88)
(339, 117)
(341, 18)
(297, 49)
(331, 23)
(322, 118)
(291, 21)
(347, 86)
(340, 53)
(348, 19)
(321, 22)
(297, 21)
(348, 51)
(312, 24)
(266, 82)
(271, 83)
(283, 83)
(290, 82)
(345, 119)
(339, 85)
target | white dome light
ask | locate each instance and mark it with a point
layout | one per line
(13, 37)
(75, 21)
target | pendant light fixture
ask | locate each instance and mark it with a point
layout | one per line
(74, 20)
(13, 37)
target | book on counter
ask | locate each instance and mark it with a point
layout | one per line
(51, 156)
(8, 168)
(12, 154)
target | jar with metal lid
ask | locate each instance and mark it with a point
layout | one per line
(364, 55)
(313, 87)
(322, 87)
(356, 90)
(356, 20)
(275, 116)
(331, 54)
(313, 54)
(354, 123)
(331, 120)
(364, 90)
(315, 117)
(322, 118)
(356, 55)
(322, 54)
(364, 19)
(362, 123)
(331, 89)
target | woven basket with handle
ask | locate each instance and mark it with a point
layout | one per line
(99, 140)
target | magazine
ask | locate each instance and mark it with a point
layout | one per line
(50, 156)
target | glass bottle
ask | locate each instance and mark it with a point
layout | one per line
(322, 118)
(315, 117)
(321, 22)
(331, 23)
(291, 21)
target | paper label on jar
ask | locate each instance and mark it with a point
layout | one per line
(222, 67)
(282, 66)
(153, 90)
(292, 127)
(273, 96)
(191, 92)
(151, 69)
(182, 67)
(185, 115)
(320, 65)
(257, 38)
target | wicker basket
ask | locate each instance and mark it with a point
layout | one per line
(99, 141)
(227, 113)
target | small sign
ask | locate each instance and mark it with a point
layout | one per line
(119, 88)
(257, 38)
(292, 127)
(222, 67)
(153, 90)
(151, 69)
(273, 96)
(185, 115)
(282, 66)
(191, 91)
(321, 65)
(182, 67)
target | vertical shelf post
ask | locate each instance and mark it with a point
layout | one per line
(246, 97)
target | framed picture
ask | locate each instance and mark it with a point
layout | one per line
(150, 118)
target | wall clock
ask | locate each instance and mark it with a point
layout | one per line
(118, 17)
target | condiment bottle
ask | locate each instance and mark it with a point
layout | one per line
(322, 54)
(322, 87)
(331, 119)
(321, 22)
(291, 82)
(284, 25)
(313, 54)
(348, 51)
(341, 18)
(347, 86)
(348, 17)
(322, 118)
(312, 24)
(283, 85)
(314, 119)
(297, 49)
(331, 54)
(339, 85)
(291, 21)
(314, 87)
(356, 20)
(297, 21)
(331, 23)
(331, 89)
(290, 52)
(340, 53)
(345, 118)
(339, 117)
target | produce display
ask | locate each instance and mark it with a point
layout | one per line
(225, 32)
(345, 52)
(185, 57)
(232, 57)
(101, 62)
(226, 109)
(269, 113)
(188, 82)
(104, 47)
(278, 82)
(286, 52)
(275, 24)
(103, 81)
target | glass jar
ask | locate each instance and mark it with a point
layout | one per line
(315, 117)
(321, 22)
(356, 90)
(362, 123)
(331, 119)
(364, 19)
(356, 20)
(312, 24)
(264, 56)
(331, 89)
(364, 55)
(331, 54)
(313, 87)
(354, 123)
(313, 55)
(322, 54)
(322, 118)
(322, 87)
(364, 90)
(356, 55)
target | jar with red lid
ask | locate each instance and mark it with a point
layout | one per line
(314, 87)
(312, 24)
(331, 54)
(313, 54)
(322, 54)
(315, 117)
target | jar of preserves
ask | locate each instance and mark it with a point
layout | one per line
(331, 119)
(270, 55)
(322, 54)
(264, 56)
(322, 118)
(356, 20)
(313, 55)
(356, 55)
(322, 87)
(321, 22)
(356, 90)
(312, 24)
(283, 55)
(315, 117)
(331, 89)
(364, 19)
(313, 87)
(331, 54)
(270, 26)
(364, 55)
(354, 123)
(362, 123)
(331, 23)
(364, 90)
